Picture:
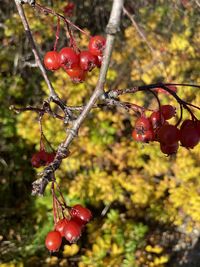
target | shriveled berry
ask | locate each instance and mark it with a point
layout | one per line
(42, 158)
(35, 160)
(52, 60)
(50, 157)
(72, 231)
(69, 58)
(80, 212)
(97, 45)
(53, 241)
(88, 61)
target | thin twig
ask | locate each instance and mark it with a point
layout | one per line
(34, 49)
(37, 110)
(140, 32)
(67, 21)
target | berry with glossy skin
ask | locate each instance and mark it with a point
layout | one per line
(60, 226)
(168, 134)
(76, 74)
(87, 60)
(157, 119)
(72, 231)
(53, 241)
(80, 212)
(68, 58)
(189, 135)
(168, 111)
(169, 149)
(52, 60)
(143, 124)
(97, 45)
(145, 137)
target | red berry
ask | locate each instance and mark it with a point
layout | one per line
(76, 74)
(88, 61)
(197, 123)
(53, 241)
(60, 226)
(189, 135)
(97, 45)
(68, 58)
(156, 119)
(171, 87)
(168, 111)
(143, 124)
(187, 123)
(168, 134)
(72, 231)
(169, 149)
(81, 213)
(68, 9)
(145, 137)
(52, 60)
(137, 137)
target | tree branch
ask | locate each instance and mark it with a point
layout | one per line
(140, 32)
(34, 49)
(111, 29)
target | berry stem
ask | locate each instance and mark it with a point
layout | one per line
(52, 12)
(72, 40)
(181, 115)
(57, 34)
(63, 199)
(54, 204)
(38, 60)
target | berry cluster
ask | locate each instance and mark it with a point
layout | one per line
(77, 64)
(157, 128)
(70, 229)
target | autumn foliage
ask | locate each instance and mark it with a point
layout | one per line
(137, 194)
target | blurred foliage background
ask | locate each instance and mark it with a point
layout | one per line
(146, 206)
